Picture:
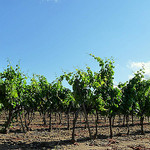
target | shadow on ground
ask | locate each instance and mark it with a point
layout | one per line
(38, 145)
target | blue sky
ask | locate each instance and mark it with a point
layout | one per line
(49, 36)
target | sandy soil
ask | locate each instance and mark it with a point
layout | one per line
(59, 137)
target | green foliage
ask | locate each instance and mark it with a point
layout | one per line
(95, 90)
(14, 82)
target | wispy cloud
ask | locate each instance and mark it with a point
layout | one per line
(135, 66)
(55, 1)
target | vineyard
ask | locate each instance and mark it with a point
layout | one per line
(43, 115)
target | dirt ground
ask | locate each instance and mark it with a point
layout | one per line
(59, 138)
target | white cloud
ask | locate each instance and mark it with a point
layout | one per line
(135, 66)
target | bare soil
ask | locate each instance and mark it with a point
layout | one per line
(59, 138)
